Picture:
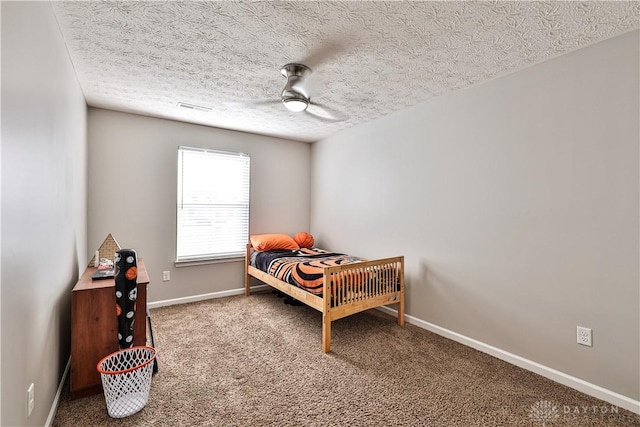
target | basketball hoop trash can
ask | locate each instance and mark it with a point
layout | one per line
(126, 379)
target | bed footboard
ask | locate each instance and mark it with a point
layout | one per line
(347, 289)
(360, 286)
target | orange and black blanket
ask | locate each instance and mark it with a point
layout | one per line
(302, 268)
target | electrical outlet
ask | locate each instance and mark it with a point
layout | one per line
(31, 399)
(166, 276)
(584, 336)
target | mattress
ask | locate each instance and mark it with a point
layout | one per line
(302, 268)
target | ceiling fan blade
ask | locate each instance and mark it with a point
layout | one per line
(315, 85)
(321, 54)
(265, 102)
(323, 113)
(252, 103)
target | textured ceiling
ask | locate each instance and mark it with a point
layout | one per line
(369, 59)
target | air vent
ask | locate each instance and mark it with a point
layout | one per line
(193, 107)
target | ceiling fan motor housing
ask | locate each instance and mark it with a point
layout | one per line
(294, 95)
(293, 69)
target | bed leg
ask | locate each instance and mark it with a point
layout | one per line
(247, 278)
(247, 281)
(326, 334)
(401, 300)
(401, 311)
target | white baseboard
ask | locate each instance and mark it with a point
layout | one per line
(202, 297)
(547, 372)
(550, 373)
(56, 400)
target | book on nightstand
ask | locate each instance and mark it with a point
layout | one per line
(105, 273)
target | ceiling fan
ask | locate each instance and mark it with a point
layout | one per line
(296, 97)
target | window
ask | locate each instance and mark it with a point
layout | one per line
(213, 204)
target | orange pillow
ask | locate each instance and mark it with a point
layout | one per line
(268, 242)
(304, 239)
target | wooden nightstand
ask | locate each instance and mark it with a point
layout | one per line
(94, 327)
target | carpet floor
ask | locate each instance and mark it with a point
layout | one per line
(255, 361)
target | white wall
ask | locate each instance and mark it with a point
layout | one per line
(515, 203)
(143, 151)
(44, 182)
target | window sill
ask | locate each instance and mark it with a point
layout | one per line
(190, 263)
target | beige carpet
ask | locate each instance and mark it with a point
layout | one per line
(254, 361)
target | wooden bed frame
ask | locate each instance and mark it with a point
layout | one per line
(385, 285)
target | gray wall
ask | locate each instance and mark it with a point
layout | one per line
(143, 151)
(44, 186)
(515, 203)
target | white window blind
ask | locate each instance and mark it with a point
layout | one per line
(213, 204)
